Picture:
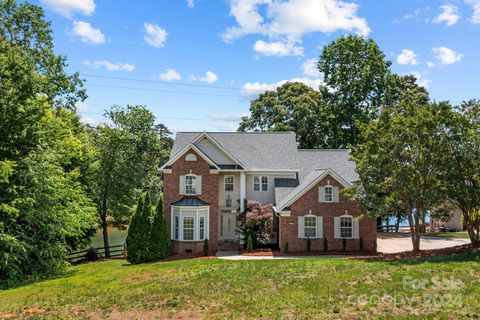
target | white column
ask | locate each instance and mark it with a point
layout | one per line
(242, 190)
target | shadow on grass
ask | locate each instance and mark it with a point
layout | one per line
(14, 284)
(469, 256)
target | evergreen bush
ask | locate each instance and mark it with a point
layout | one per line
(206, 248)
(286, 247)
(344, 244)
(325, 244)
(309, 245)
(249, 244)
(159, 239)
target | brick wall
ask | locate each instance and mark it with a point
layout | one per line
(209, 194)
(309, 201)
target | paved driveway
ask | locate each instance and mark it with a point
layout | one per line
(399, 242)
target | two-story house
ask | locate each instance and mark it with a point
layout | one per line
(210, 175)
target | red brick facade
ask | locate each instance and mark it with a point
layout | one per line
(209, 194)
(309, 201)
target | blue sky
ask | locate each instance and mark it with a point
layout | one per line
(197, 63)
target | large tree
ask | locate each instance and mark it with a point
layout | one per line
(355, 79)
(464, 167)
(44, 210)
(128, 150)
(402, 162)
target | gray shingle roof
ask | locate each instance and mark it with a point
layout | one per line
(190, 202)
(338, 160)
(306, 181)
(266, 150)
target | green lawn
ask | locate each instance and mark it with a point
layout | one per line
(457, 235)
(445, 288)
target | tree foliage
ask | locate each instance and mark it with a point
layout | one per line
(402, 162)
(159, 238)
(45, 211)
(257, 222)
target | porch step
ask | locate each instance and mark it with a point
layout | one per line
(227, 246)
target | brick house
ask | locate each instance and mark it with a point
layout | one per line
(210, 175)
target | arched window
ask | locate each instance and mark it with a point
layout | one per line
(191, 157)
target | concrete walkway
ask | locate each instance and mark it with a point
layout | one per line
(400, 242)
(233, 255)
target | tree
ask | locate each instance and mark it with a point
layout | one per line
(291, 107)
(127, 156)
(135, 234)
(257, 222)
(464, 167)
(159, 238)
(402, 161)
(45, 211)
(355, 80)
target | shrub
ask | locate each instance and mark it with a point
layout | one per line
(325, 244)
(91, 255)
(257, 221)
(206, 248)
(285, 249)
(344, 244)
(138, 238)
(249, 244)
(361, 244)
(309, 245)
(159, 239)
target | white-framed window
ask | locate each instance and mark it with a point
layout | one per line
(188, 229)
(260, 183)
(176, 227)
(346, 227)
(190, 184)
(191, 157)
(310, 226)
(229, 183)
(190, 223)
(328, 194)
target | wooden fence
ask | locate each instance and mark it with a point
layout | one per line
(92, 254)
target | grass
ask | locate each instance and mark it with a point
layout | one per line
(445, 288)
(456, 235)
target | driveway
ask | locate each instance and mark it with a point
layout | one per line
(399, 242)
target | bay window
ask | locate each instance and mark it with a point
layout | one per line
(190, 223)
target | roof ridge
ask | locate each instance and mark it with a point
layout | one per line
(235, 132)
(323, 149)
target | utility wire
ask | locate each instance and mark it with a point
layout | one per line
(170, 118)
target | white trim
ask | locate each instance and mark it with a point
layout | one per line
(268, 171)
(183, 151)
(195, 213)
(329, 186)
(339, 179)
(315, 227)
(243, 189)
(167, 170)
(216, 144)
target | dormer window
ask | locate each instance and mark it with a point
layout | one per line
(190, 184)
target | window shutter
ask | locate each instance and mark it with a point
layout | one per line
(336, 227)
(356, 228)
(199, 185)
(319, 227)
(300, 228)
(321, 194)
(336, 194)
(181, 185)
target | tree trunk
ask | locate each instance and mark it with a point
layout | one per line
(397, 225)
(103, 216)
(414, 232)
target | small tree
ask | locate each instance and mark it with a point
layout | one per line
(249, 244)
(159, 239)
(257, 222)
(309, 245)
(138, 238)
(325, 244)
(285, 249)
(206, 248)
(134, 231)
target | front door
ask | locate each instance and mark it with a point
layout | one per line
(227, 225)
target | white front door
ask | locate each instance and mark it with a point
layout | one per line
(228, 223)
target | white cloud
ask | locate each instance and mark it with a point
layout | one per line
(277, 48)
(288, 21)
(407, 57)
(408, 16)
(87, 33)
(310, 68)
(170, 75)
(446, 55)
(251, 90)
(68, 7)
(421, 81)
(430, 64)
(449, 15)
(209, 77)
(191, 3)
(109, 65)
(155, 35)
(89, 121)
(232, 117)
(82, 106)
(476, 10)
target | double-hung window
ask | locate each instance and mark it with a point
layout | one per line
(260, 183)
(176, 227)
(189, 223)
(201, 226)
(328, 194)
(310, 226)
(190, 184)
(229, 182)
(188, 228)
(346, 227)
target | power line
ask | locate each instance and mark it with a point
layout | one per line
(170, 118)
(170, 83)
(159, 90)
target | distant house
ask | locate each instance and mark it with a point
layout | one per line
(453, 224)
(210, 174)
